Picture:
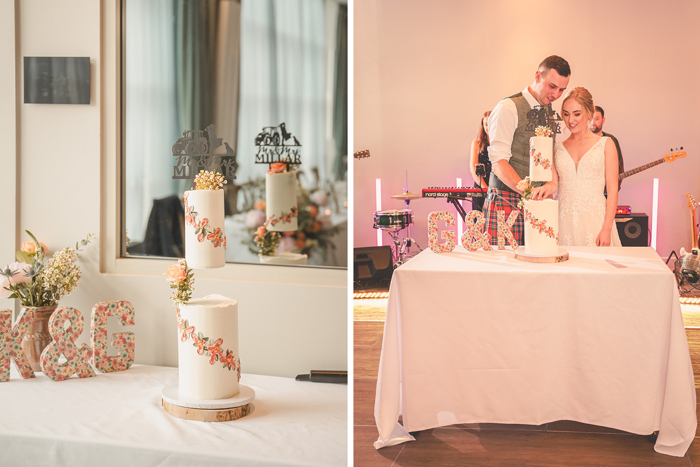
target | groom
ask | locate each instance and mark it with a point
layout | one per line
(510, 141)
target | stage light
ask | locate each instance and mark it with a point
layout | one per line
(655, 213)
(378, 195)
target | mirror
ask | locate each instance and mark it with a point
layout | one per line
(243, 66)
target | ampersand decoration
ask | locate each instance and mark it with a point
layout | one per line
(505, 229)
(448, 235)
(10, 343)
(77, 359)
(122, 341)
(474, 236)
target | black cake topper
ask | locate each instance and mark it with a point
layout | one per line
(541, 115)
(276, 144)
(195, 152)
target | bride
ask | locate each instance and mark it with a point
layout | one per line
(585, 164)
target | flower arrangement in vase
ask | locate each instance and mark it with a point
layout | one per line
(40, 283)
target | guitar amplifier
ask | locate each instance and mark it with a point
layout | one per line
(633, 229)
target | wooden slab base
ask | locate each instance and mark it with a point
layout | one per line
(559, 257)
(207, 415)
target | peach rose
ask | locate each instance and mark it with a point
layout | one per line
(277, 167)
(175, 273)
(313, 210)
(261, 231)
(260, 205)
(30, 247)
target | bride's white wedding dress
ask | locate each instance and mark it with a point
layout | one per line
(580, 196)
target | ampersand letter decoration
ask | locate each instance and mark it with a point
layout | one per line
(77, 359)
(448, 235)
(474, 236)
(122, 341)
(505, 229)
(10, 347)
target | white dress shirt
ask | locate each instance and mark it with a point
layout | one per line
(502, 124)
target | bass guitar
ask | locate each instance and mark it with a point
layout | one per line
(692, 205)
(668, 157)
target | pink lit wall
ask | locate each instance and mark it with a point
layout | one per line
(425, 71)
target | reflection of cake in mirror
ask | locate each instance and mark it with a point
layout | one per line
(541, 216)
(205, 239)
(281, 198)
(208, 360)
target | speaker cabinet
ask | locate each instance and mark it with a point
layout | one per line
(633, 229)
(373, 267)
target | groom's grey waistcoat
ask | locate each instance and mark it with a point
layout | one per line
(520, 148)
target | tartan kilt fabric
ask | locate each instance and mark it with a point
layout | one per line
(493, 204)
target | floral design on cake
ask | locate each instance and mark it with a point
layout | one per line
(77, 358)
(540, 226)
(285, 218)
(11, 348)
(124, 342)
(539, 160)
(208, 347)
(203, 230)
(447, 235)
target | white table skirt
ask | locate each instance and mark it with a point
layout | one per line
(480, 337)
(116, 419)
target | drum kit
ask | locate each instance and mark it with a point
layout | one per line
(394, 221)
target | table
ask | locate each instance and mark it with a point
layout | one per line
(479, 337)
(116, 419)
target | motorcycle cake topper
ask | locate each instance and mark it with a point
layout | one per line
(542, 115)
(195, 152)
(276, 144)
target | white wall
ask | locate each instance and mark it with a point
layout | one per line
(425, 71)
(63, 193)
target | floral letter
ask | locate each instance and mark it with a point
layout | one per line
(122, 341)
(10, 348)
(474, 236)
(505, 229)
(447, 235)
(77, 359)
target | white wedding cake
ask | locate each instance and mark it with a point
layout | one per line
(281, 201)
(205, 238)
(541, 216)
(208, 361)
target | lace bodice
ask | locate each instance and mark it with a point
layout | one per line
(581, 201)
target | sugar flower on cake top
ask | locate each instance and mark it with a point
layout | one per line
(543, 131)
(206, 180)
(181, 278)
(277, 167)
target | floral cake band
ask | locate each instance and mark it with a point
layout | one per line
(285, 218)
(540, 226)
(202, 229)
(208, 347)
(539, 160)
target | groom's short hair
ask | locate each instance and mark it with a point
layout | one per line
(556, 62)
(600, 109)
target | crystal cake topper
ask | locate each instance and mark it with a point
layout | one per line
(195, 152)
(275, 144)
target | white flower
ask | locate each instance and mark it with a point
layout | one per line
(254, 218)
(522, 184)
(319, 198)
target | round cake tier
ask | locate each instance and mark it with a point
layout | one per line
(214, 322)
(284, 258)
(541, 226)
(541, 159)
(205, 236)
(281, 201)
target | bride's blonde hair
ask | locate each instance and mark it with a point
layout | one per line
(583, 97)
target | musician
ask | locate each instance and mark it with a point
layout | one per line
(480, 155)
(597, 129)
(510, 141)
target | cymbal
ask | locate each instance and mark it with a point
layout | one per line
(407, 196)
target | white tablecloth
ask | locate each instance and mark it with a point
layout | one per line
(116, 419)
(484, 338)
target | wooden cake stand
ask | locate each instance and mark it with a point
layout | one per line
(219, 410)
(559, 257)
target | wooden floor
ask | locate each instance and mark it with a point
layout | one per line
(562, 443)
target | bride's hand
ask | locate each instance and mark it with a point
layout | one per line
(545, 191)
(604, 238)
